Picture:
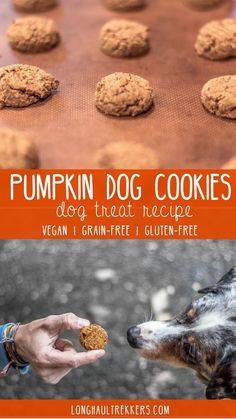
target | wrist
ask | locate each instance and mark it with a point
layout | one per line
(20, 343)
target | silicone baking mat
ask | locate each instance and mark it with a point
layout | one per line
(67, 127)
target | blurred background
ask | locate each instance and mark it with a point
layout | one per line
(116, 284)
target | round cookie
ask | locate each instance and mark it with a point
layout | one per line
(93, 337)
(34, 5)
(230, 164)
(22, 85)
(124, 5)
(203, 4)
(124, 38)
(17, 151)
(33, 34)
(217, 40)
(219, 96)
(124, 155)
(123, 94)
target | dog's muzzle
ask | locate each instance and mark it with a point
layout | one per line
(134, 337)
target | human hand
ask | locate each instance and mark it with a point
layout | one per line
(39, 344)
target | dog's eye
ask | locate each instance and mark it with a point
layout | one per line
(189, 316)
(180, 320)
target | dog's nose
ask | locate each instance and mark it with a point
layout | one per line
(134, 337)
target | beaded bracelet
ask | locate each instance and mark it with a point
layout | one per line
(10, 346)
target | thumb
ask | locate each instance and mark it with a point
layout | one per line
(71, 359)
(67, 321)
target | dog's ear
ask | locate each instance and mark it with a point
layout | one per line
(227, 280)
(212, 289)
(222, 384)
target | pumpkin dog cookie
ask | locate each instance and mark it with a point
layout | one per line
(22, 85)
(33, 34)
(230, 164)
(126, 155)
(34, 5)
(219, 96)
(124, 5)
(217, 39)
(93, 337)
(203, 4)
(123, 94)
(17, 151)
(124, 38)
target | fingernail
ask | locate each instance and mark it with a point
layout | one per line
(100, 354)
(83, 322)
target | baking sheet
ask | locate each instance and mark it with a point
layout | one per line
(67, 127)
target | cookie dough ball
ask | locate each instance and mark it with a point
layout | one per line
(124, 5)
(230, 165)
(124, 38)
(22, 85)
(93, 337)
(17, 151)
(219, 96)
(217, 40)
(123, 94)
(124, 155)
(33, 34)
(203, 4)
(34, 5)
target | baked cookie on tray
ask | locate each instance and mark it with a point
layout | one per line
(33, 34)
(123, 94)
(22, 85)
(126, 155)
(124, 5)
(203, 4)
(219, 96)
(124, 38)
(217, 40)
(34, 5)
(17, 150)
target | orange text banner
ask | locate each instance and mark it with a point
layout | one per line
(99, 204)
(116, 409)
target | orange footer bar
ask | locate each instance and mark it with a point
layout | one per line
(117, 409)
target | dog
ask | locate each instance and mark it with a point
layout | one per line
(203, 337)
